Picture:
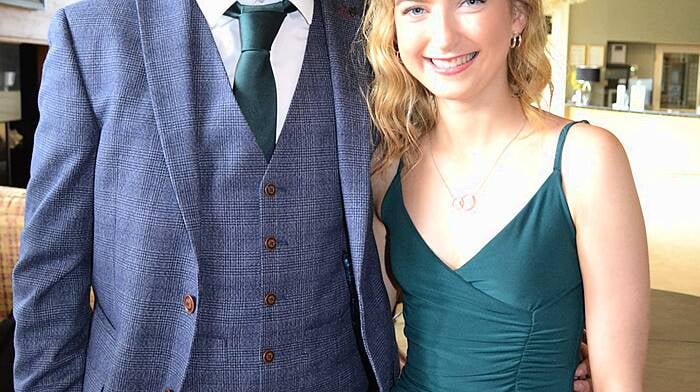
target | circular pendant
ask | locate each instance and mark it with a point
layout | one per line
(464, 203)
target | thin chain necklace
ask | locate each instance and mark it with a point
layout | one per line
(467, 201)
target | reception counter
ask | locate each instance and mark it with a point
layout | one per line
(656, 142)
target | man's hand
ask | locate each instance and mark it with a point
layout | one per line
(582, 375)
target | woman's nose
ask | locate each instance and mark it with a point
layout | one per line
(444, 31)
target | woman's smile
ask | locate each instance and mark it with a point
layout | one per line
(452, 65)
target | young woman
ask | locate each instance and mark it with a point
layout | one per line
(501, 220)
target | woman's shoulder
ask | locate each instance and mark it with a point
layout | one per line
(594, 163)
(589, 147)
(584, 142)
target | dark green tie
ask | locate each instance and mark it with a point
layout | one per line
(254, 82)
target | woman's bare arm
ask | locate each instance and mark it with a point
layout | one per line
(611, 240)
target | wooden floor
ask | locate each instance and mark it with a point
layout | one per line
(671, 206)
(673, 362)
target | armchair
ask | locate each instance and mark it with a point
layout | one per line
(11, 225)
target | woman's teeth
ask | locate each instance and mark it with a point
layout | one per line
(454, 62)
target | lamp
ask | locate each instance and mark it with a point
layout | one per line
(586, 75)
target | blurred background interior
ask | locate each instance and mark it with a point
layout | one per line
(630, 66)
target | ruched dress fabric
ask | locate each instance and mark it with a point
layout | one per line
(510, 319)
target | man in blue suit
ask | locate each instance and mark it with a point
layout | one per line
(210, 182)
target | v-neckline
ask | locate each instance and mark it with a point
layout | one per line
(488, 244)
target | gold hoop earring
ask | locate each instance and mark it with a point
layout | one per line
(516, 41)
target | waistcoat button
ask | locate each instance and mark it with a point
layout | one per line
(270, 190)
(268, 356)
(270, 299)
(271, 243)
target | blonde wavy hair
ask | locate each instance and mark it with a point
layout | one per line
(403, 110)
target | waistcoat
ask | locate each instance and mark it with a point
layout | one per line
(274, 310)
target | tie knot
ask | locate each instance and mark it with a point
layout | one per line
(259, 24)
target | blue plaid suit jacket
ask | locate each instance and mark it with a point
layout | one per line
(127, 87)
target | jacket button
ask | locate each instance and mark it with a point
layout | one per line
(189, 303)
(270, 190)
(270, 299)
(271, 243)
(268, 356)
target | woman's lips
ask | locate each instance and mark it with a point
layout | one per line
(453, 65)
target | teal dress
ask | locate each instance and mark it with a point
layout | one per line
(510, 319)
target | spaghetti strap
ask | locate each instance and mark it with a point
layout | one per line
(560, 143)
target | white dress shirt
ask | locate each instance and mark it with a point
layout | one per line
(286, 55)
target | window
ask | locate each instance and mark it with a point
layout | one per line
(676, 78)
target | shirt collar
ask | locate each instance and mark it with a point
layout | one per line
(213, 9)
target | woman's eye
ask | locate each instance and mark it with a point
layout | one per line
(414, 11)
(473, 2)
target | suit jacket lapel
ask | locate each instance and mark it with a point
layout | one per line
(175, 39)
(341, 19)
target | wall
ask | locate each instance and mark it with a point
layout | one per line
(21, 25)
(671, 22)
(642, 55)
(557, 53)
(639, 23)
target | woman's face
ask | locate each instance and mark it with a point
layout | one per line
(456, 48)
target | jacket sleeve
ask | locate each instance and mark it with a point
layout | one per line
(53, 275)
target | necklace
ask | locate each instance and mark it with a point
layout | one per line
(467, 201)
